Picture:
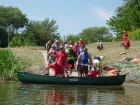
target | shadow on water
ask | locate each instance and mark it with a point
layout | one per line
(37, 94)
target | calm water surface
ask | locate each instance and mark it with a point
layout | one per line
(37, 94)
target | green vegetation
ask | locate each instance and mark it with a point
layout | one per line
(127, 17)
(37, 33)
(10, 65)
(17, 59)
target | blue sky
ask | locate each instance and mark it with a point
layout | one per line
(72, 16)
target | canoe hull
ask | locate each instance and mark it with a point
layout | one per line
(44, 79)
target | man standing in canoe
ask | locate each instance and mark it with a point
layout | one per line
(83, 60)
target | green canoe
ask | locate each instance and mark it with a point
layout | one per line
(25, 77)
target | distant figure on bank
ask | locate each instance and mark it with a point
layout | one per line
(125, 41)
(99, 45)
(125, 35)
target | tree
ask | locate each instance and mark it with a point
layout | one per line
(92, 34)
(43, 31)
(8, 16)
(127, 17)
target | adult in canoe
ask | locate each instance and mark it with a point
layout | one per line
(58, 69)
(83, 60)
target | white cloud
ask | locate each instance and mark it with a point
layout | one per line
(102, 12)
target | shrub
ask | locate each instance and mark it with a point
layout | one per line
(10, 65)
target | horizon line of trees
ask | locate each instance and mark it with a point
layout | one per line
(37, 33)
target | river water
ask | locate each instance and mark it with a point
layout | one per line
(39, 94)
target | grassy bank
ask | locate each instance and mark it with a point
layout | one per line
(111, 52)
(32, 56)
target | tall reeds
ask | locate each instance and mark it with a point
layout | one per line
(10, 65)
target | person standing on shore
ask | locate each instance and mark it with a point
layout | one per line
(48, 46)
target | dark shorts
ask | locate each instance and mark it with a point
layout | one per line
(84, 69)
(72, 63)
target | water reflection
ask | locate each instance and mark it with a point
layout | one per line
(82, 95)
(37, 94)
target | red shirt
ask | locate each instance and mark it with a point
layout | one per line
(93, 73)
(57, 68)
(109, 69)
(125, 35)
(126, 42)
(61, 57)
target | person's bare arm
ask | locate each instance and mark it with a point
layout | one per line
(90, 59)
(79, 57)
(44, 70)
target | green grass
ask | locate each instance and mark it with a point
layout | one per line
(30, 58)
(10, 65)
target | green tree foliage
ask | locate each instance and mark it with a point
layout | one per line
(127, 17)
(10, 15)
(43, 31)
(134, 35)
(90, 35)
(24, 39)
(71, 37)
(10, 65)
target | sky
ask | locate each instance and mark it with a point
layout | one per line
(71, 16)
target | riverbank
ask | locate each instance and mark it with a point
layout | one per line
(111, 56)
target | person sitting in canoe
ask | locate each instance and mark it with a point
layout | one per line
(93, 73)
(56, 67)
